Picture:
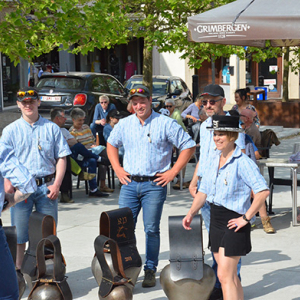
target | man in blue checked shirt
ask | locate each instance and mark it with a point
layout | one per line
(213, 101)
(40, 146)
(148, 139)
(25, 184)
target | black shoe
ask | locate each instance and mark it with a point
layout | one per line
(104, 161)
(149, 280)
(98, 194)
(216, 294)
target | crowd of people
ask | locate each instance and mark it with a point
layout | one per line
(36, 158)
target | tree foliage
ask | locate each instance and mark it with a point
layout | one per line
(28, 30)
(164, 24)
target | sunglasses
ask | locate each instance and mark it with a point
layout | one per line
(139, 91)
(168, 106)
(104, 102)
(211, 101)
(26, 93)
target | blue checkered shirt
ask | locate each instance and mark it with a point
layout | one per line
(11, 169)
(142, 157)
(38, 146)
(208, 146)
(231, 185)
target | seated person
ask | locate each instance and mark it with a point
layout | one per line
(83, 135)
(192, 111)
(247, 117)
(88, 159)
(100, 114)
(174, 112)
(250, 147)
(112, 119)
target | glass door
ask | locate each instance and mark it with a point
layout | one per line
(270, 76)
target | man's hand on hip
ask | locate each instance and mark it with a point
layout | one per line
(123, 176)
(164, 178)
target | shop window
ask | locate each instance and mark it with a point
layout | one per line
(225, 70)
(10, 81)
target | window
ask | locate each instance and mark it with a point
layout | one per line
(114, 86)
(61, 83)
(100, 85)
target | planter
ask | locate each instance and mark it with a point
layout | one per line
(278, 113)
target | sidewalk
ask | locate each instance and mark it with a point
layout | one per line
(270, 272)
(10, 115)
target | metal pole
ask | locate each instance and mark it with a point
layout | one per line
(294, 197)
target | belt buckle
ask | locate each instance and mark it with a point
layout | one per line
(141, 179)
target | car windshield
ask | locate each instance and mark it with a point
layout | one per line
(61, 83)
(159, 87)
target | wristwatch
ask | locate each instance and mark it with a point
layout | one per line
(245, 218)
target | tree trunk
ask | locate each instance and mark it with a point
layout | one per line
(285, 79)
(147, 66)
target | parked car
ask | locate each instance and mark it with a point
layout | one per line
(79, 89)
(165, 87)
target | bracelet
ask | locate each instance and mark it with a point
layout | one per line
(245, 218)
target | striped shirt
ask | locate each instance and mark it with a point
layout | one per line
(148, 147)
(37, 147)
(83, 135)
(207, 145)
(11, 169)
(231, 185)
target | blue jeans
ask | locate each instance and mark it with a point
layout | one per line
(9, 289)
(96, 128)
(205, 212)
(21, 212)
(91, 164)
(80, 149)
(151, 197)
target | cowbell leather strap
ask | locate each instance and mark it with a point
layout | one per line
(108, 278)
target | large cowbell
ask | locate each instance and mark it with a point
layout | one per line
(11, 237)
(40, 226)
(114, 285)
(50, 285)
(118, 225)
(187, 276)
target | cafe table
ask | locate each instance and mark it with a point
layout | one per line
(271, 164)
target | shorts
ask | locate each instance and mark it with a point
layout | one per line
(21, 212)
(234, 243)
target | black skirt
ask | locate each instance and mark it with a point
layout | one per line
(235, 243)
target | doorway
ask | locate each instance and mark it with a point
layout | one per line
(270, 75)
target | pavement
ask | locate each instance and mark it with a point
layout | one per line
(270, 272)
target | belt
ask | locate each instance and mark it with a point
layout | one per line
(0, 223)
(142, 178)
(42, 180)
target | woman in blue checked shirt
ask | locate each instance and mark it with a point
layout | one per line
(227, 185)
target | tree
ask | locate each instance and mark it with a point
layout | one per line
(27, 31)
(163, 24)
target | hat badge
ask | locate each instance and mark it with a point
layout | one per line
(215, 124)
